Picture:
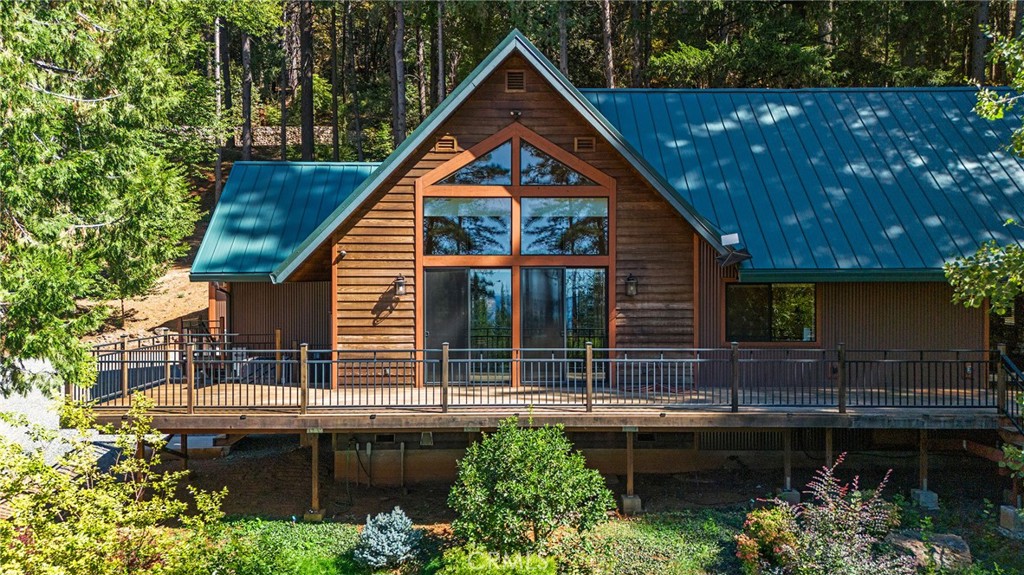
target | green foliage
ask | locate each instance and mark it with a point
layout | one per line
(476, 561)
(516, 487)
(257, 547)
(992, 104)
(388, 540)
(769, 538)
(73, 518)
(103, 115)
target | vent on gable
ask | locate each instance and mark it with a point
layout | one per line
(583, 144)
(446, 145)
(515, 81)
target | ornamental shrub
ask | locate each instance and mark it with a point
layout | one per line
(518, 486)
(474, 560)
(387, 541)
(836, 532)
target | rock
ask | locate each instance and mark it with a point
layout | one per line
(942, 551)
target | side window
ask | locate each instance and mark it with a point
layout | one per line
(770, 312)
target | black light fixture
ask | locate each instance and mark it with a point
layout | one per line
(399, 285)
(631, 285)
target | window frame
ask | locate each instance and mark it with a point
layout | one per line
(427, 186)
(723, 315)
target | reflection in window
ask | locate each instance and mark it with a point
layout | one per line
(467, 226)
(540, 169)
(769, 312)
(565, 226)
(490, 314)
(491, 169)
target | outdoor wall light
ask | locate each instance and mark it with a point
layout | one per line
(631, 285)
(399, 284)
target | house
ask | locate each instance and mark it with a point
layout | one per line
(693, 266)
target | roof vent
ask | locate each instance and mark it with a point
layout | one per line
(583, 144)
(515, 81)
(446, 145)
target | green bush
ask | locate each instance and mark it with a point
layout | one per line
(476, 561)
(769, 538)
(257, 547)
(519, 486)
(388, 540)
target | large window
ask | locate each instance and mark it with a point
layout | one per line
(467, 226)
(769, 312)
(565, 226)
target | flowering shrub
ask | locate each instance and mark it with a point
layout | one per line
(836, 532)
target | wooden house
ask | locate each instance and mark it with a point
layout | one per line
(688, 262)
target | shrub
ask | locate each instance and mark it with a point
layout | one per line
(388, 540)
(476, 561)
(836, 532)
(518, 486)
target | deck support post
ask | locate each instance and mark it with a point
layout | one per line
(184, 451)
(734, 368)
(277, 355)
(787, 493)
(828, 447)
(590, 376)
(303, 378)
(315, 513)
(124, 367)
(1001, 380)
(190, 377)
(841, 376)
(922, 496)
(444, 377)
(631, 504)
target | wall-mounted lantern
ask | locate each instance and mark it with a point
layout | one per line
(399, 284)
(631, 285)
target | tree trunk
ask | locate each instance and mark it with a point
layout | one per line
(217, 168)
(563, 40)
(225, 63)
(442, 88)
(606, 33)
(335, 145)
(292, 44)
(825, 24)
(246, 97)
(306, 71)
(1018, 19)
(421, 73)
(980, 43)
(350, 72)
(637, 25)
(398, 78)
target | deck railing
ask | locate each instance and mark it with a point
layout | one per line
(1010, 394)
(216, 372)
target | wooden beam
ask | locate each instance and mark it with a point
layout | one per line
(828, 447)
(787, 458)
(629, 462)
(184, 451)
(315, 451)
(923, 461)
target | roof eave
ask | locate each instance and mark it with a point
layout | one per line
(839, 276)
(259, 277)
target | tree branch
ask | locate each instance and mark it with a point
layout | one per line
(71, 98)
(54, 68)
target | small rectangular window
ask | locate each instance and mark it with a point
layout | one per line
(769, 312)
(565, 226)
(467, 226)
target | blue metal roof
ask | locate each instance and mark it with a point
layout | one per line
(266, 210)
(837, 184)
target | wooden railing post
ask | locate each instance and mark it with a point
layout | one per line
(590, 376)
(124, 367)
(444, 377)
(1001, 380)
(190, 377)
(303, 378)
(277, 355)
(734, 363)
(841, 376)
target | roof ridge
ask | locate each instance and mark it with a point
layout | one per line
(869, 89)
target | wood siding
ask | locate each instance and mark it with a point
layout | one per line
(299, 310)
(654, 243)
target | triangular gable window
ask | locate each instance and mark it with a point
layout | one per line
(540, 169)
(491, 169)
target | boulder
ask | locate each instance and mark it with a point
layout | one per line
(942, 551)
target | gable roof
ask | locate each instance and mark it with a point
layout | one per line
(514, 43)
(832, 184)
(265, 211)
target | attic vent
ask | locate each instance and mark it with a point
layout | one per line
(583, 144)
(515, 81)
(446, 145)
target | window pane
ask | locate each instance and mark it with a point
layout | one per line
(491, 169)
(769, 312)
(467, 226)
(540, 169)
(586, 307)
(490, 320)
(565, 226)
